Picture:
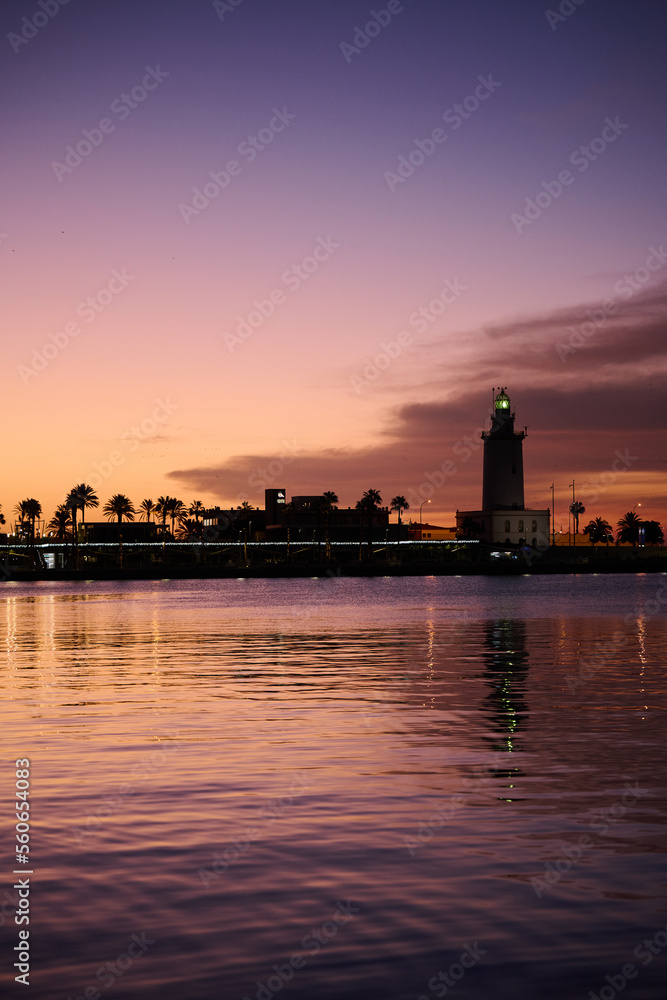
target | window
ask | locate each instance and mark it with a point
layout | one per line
(534, 543)
(507, 526)
(520, 525)
(507, 541)
(534, 528)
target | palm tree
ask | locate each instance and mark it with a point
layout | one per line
(29, 511)
(329, 501)
(61, 522)
(2, 517)
(653, 534)
(599, 530)
(197, 509)
(84, 496)
(176, 509)
(189, 527)
(628, 528)
(576, 508)
(398, 504)
(119, 506)
(162, 508)
(470, 528)
(368, 505)
(146, 508)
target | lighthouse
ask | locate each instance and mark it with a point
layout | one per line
(504, 519)
(502, 478)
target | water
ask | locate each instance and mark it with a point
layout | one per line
(220, 768)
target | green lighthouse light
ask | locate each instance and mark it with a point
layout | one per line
(502, 400)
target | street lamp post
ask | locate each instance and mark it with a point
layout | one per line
(553, 516)
(420, 517)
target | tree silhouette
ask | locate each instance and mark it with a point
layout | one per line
(119, 507)
(576, 508)
(398, 504)
(470, 528)
(599, 530)
(146, 508)
(61, 522)
(197, 509)
(84, 496)
(176, 509)
(29, 511)
(628, 528)
(368, 506)
(162, 509)
(653, 534)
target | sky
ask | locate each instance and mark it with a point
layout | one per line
(254, 244)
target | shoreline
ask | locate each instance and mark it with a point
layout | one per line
(333, 570)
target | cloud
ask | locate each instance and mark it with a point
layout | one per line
(607, 396)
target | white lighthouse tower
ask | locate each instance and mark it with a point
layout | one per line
(504, 519)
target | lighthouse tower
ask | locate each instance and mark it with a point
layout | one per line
(502, 481)
(504, 520)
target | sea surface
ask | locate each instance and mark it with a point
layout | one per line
(391, 788)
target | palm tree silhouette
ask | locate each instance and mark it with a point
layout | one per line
(29, 511)
(576, 508)
(653, 534)
(86, 497)
(329, 501)
(197, 509)
(146, 508)
(629, 526)
(61, 522)
(599, 530)
(368, 505)
(398, 504)
(162, 508)
(119, 507)
(176, 509)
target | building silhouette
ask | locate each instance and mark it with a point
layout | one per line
(503, 518)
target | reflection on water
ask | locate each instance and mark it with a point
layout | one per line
(364, 776)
